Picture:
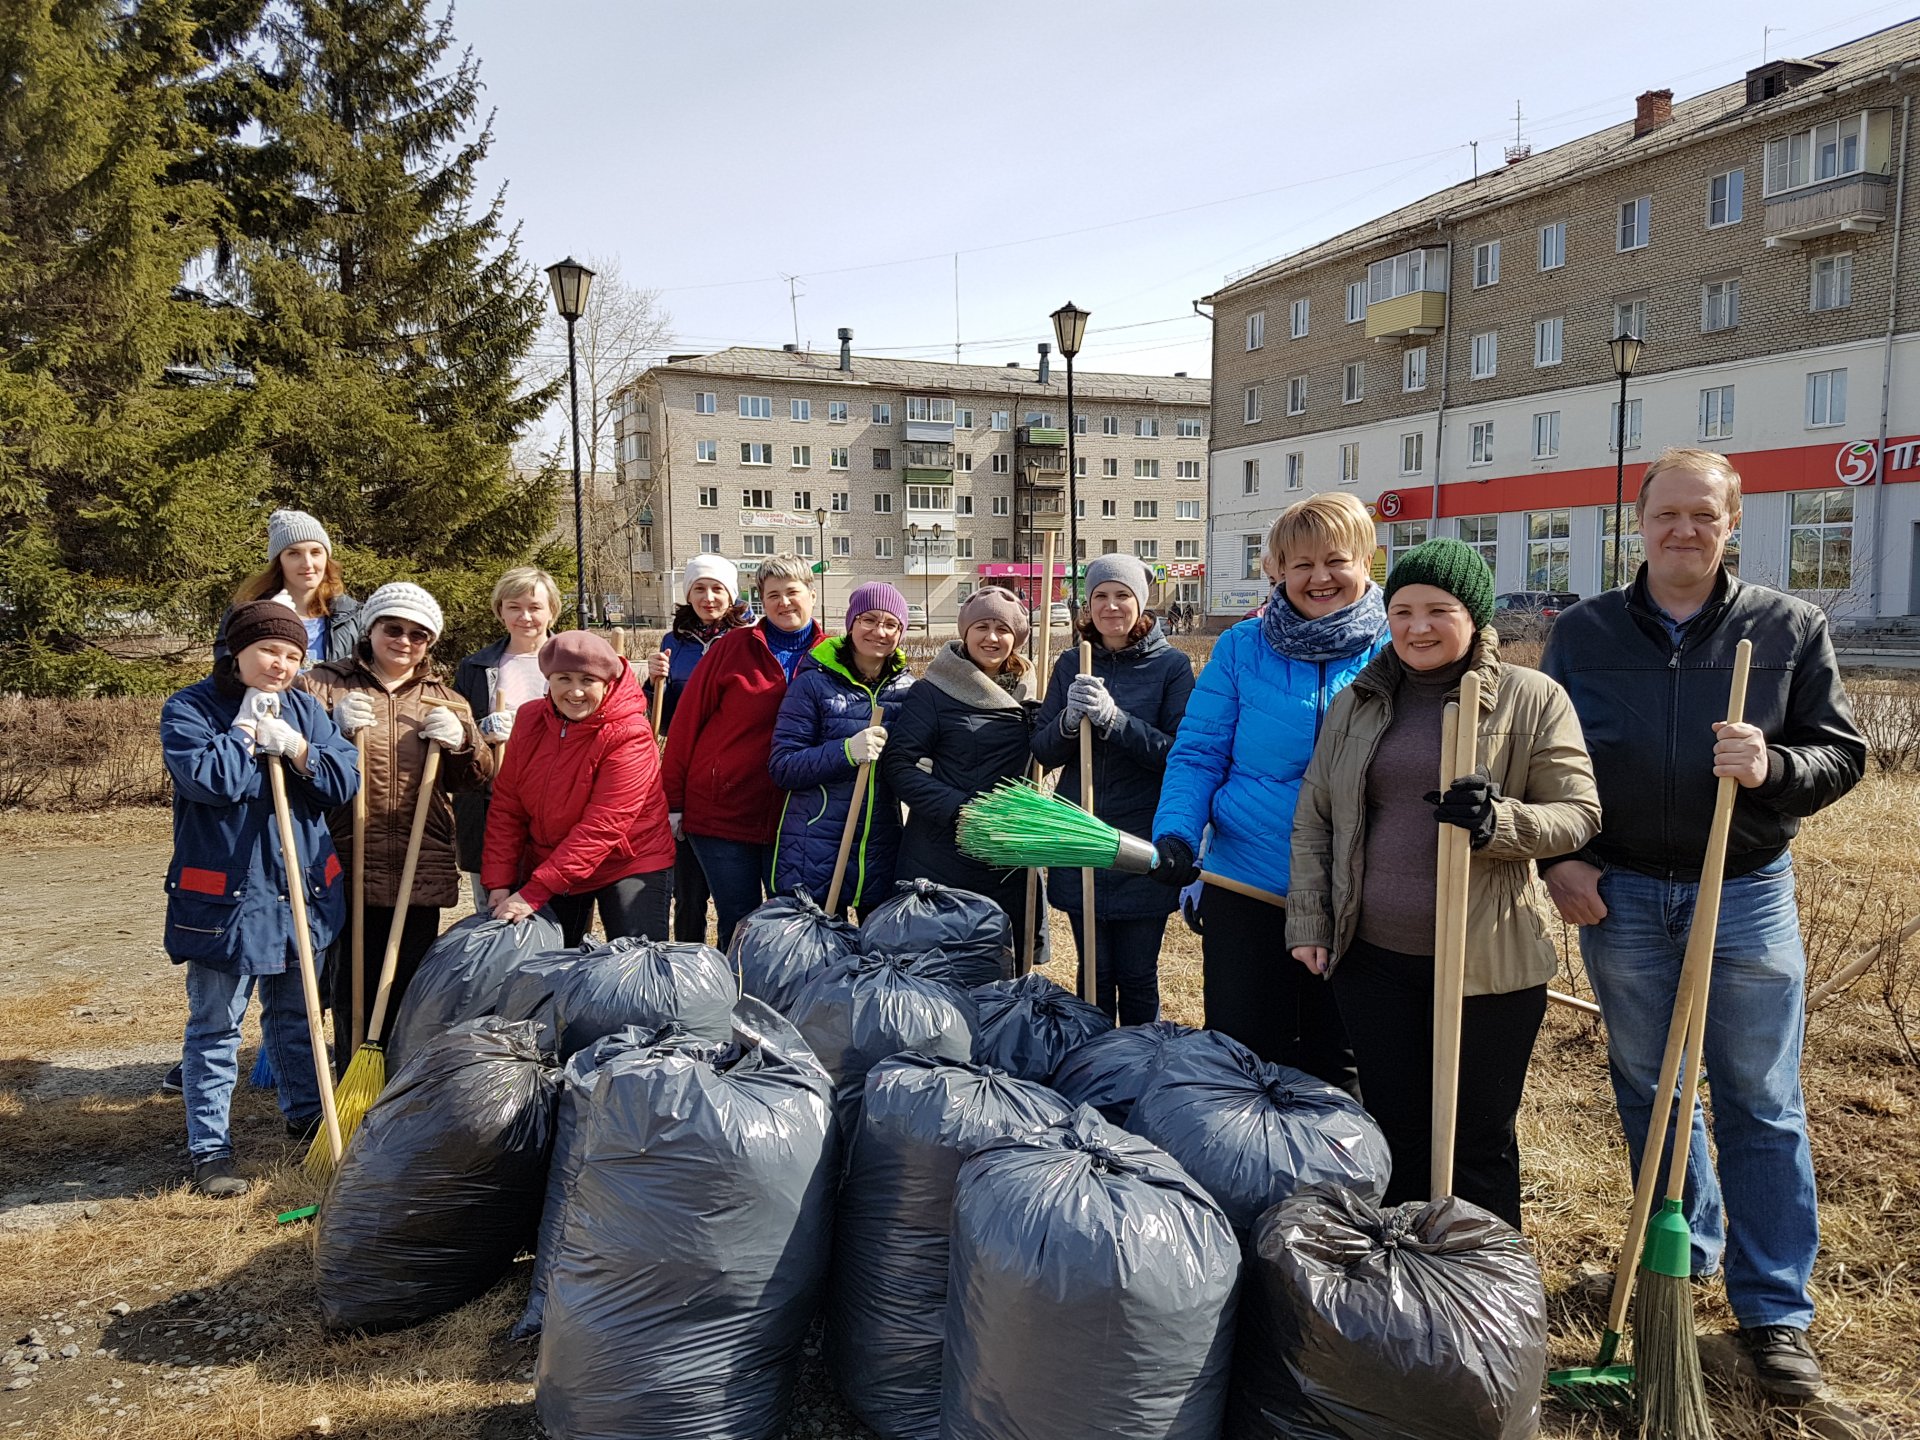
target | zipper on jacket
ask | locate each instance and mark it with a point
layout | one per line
(1320, 703)
(1673, 758)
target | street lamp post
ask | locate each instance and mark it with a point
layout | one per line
(1626, 354)
(1036, 596)
(1069, 329)
(571, 281)
(820, 519)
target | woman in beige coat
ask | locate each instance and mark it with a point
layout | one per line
(1365, 845)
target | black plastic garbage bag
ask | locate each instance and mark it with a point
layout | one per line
(461, 978)
(441, 1187)
(1109, 1071)
(1254, 1133)
(782, 945)
(694, 1247)
(1092, 1292)
(974, 934)
(648, 983)
(1028, 1026)
(872, 1006)
(886, 1313)
(1426, 1321)
(532, 988)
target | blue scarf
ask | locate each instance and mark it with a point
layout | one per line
(788, 645)
(1332, 637)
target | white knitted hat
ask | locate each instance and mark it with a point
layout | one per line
(292, 527)
(713, 567)
(404, 601)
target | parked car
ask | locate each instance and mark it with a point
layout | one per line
(1061, 616)
(916, 616)
(1519, 614)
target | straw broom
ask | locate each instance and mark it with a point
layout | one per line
(1671, 1394)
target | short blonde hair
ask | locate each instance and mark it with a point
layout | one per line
(1701, 462)
(520, 580)
(782, 567)
(1335, 521)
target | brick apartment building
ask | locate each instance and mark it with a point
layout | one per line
(1449, 362)
(934, 476)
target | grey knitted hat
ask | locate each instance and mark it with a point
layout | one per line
(1129, 570)
(292, 527)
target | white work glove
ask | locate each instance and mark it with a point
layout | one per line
(443, 727)
(274, 736)
(674, 819)
(353, 711)
(253, 703)
(1088, 695)
(864, 746)
(497, 726)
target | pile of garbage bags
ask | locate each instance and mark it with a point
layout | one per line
(461, 977)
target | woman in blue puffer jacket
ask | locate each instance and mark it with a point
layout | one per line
(1236, 767)
(824, 732)
(1135, 699)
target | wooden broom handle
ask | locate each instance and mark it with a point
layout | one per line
(1450, 961)
(1089, 984)
(303, 947)
(357, 949)
(390, 961)
(854, 804)
(1044, 604)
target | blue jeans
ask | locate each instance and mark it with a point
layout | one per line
(209, 1060)
(1768, 1223)
(738, 874)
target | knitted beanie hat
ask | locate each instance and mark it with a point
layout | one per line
(712, 567)
(264, 620)
(292, 527)
(876, 595)
(580, 652)
(400, 600)
(993, 602)
(1453, 566)
(1129, 570)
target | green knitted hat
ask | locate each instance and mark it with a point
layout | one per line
(1453, 566)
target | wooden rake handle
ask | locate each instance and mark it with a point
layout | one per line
(847, 831)
(390, 960)
(358, 946)
(1459, 754)
(303, 947)
(1089, 981)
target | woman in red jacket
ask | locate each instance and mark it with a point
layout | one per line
(577, 815)
(718, 789)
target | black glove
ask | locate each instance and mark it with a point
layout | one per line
(1176, 869)
(1468, 803)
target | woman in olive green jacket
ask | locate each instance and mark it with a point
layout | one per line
(1365, 844)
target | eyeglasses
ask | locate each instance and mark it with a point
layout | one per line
(393, 631)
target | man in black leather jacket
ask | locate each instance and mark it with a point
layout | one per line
(1649, 668)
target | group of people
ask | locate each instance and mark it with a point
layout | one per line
(1304, 760)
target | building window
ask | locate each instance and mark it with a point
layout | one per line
(803, 546)
(1820, 540)
(962, 418)
(1546, 435)
(802, 456)
(800, 409)
(1549, 549)
(1146, 509)
(1249, 477)
(1350, 463)
(1719, 305)
(836, 412)
(1402, 536)
(963, 504)
(1413, 449)
(756, 499)
(706, 452)
(1296, 470)
(999, 548)
(710, 543)
(1185, 469)
(803, 499)
(1186, 549)
(1832, 282)
(1297, 318)
(1003, 504)
(883, 547)
(882, 458)
(1040, 419)
(1080, 467)
(1109, 509)
(756, 407)
(1110, 468)
(1486, 264)
(1405, 273)
(1716, 413)
(1827, 398)
(1480, 443)
(754, 453)
(1825, 152)
(1256, 329)
(1001, 420)
(840, 502)
(1632, 553)
(1353, 383)
(1189, 429)
(1147, 429)
(1726, 199)
(963, 547)
(1080, 512)
(1146, 469)
(1109, 424)
(1486, 354)
(1146, 549)
(883, 414)
(705, 402)
(1002, 464)
(1251, 549)
(1251, 410)
(963, 461)
(1630, 318)
(840, 457)
(1356, 302)
(1482, 533)
(1553, 245)
(1413, 369)
(935, 409)
(1631, 232)
(1613, 426)
(1186, 510)
(928, 497)
(883, 503)
(842, 547)
(1297, 395)
(709, 497)
(1549, 341)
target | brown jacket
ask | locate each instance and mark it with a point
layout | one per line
(396, 755)
(1531, 746)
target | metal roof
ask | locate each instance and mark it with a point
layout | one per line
(1022, 383)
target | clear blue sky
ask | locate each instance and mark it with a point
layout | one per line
(716, 146)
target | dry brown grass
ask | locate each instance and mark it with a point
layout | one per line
(80, 754)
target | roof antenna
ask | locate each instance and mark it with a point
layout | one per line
(1767, 32)
(793, 299)
(1519, 149)
(1476, 158)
